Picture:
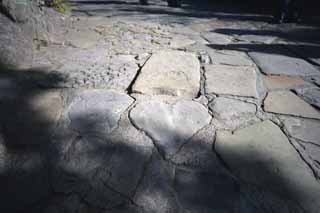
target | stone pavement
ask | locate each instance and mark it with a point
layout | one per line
(143, 111)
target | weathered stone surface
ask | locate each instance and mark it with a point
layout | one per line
(310, 95)
(285, 102)
(217, 38)
(205, 192)
(90, 68)
(229, 57)
(261, 155)
(233, 113)
(230, 80)
(303, 129)
(156, 192)
(19, 11)
(282, 62)
(164, 74)
(15, 44)
(283, 82)
(260, 39)
(197, 154)
(82, 38)
(170, 126)
(97, 111)
(181, 42)
(24, 176)
(30, 119)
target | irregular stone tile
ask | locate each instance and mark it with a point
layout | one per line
(170, 125)
(82, 38)
(97, 111)
(156, 192)
(261, 155)
(174, 73)
(282, 62)
(229, 57)
(198, 153)
(283, 82)
(310, 95)
(217, 38)
(285, 102)
(205, 192)
(303, 129)
(233, 113)
(230, 80)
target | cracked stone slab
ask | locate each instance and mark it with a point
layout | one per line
(307, 130)
(170, 126)
(282, 62)
(283, 82)
(206, 192)
(310, 95)
(262, 155)
(230, 80)
(174, 73)
(156, 192)
(217, 38)
(233, 113)
(286, 102)
(99, 111)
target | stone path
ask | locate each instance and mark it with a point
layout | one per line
(134, 111)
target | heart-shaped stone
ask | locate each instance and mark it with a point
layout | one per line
(170, 126)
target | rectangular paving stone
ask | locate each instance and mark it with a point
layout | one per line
(175, 73)
(231, 80)
(276, 82)
(279, 61)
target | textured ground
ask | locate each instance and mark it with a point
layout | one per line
(157, 109)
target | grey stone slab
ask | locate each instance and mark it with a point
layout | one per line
(174, 73)
(82, 38)
(97, 111)
(217, 38)
(282, 62)
(286, 102)
(198, 153)
(230, 57)
(310, 95)
(303, 129)
(170, 126)
(231, 80)
(90, 68)
(261, 155)
(156, 192)
(233, 113)
(204, 192)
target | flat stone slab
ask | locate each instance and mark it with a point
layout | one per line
(97, 111)
(90, 68)
(174, 73)
(310, 95)
(262, 155)
(230, 57)
(170, 126)
(233, 113)
(286, 102)
(303, 129)
(217, 38)
(283, 82)
(282, 62)
(230, 80)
